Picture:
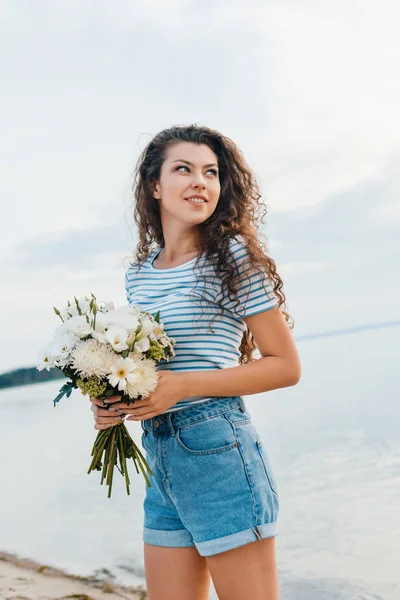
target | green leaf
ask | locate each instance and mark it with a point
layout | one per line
(65, 390)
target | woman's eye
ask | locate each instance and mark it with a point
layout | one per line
(214, 171)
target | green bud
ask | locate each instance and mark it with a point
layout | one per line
(58, 313)
(77, 305)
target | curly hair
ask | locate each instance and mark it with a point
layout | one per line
(238, 213)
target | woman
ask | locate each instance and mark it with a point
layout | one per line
(212, 506)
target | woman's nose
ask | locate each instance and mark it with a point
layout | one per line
(199, 181)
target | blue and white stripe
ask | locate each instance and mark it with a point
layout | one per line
(187, 321)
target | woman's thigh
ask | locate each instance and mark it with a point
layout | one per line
(176, 573)
(248, 572)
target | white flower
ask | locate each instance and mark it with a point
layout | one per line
(72, 310)
(84, 304)
(159, 331)
(90, 357)
(123, 372)
(143, 345)
(147, 326)
(117, 336)
(100, 337)
(147, 377)
(163, 340)
(102, 322)
(79, 326)
(61, 329)
(123, 318)
(45, 359)
(136, 352)
(105, 306)
(62, 346)
(63, 361)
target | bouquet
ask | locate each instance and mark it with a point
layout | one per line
(107, 351)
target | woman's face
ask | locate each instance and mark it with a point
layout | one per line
(188, 169)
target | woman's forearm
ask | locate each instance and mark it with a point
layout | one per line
(261, 375)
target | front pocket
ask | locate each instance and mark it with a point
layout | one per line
(267, 467)
(208, 436)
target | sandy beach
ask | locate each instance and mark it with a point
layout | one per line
(25, 579)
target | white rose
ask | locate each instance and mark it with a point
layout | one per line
(79, 326)
(122, 318)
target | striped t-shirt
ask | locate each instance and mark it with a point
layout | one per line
(187, 320)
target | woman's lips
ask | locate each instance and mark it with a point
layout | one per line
(193, 203)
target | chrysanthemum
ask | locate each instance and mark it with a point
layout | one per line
(92, 358)
(147, 377)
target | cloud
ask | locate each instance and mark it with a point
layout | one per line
(73, 250)
(305, 89)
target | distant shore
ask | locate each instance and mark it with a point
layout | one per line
(25, 579)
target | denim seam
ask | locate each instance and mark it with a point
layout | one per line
(273, 490)
(248, 478)
(204, 452)
(205, 419)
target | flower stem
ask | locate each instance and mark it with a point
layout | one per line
(112, 462)
(116, 445)
(111, 457)
(122, 458)
(98, 451)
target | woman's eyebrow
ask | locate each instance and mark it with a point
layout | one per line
(192, 165)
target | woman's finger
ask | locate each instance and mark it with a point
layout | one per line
(119, 405)
(133, 410)
(103, 412)
(124, 405)
(144, 417)
(113, 399)
(105, 420)
(138, 412)
(99, 426)
(96, 401)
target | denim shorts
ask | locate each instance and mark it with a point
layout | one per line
(212, 485)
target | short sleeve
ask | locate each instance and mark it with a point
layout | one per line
(254, 289)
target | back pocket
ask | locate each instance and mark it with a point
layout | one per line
(207, 436)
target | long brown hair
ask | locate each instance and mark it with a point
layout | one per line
(238, 213)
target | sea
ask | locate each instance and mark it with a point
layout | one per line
(334, 443)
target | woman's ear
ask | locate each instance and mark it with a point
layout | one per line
(155, 188)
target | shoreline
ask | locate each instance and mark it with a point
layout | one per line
(26, 579)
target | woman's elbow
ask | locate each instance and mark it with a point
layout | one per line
(293, 372)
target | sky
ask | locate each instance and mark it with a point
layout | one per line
(308, 90)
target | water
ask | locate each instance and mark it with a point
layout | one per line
(334, 442)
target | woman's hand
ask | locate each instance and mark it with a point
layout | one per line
(169, 390)
(104, 417)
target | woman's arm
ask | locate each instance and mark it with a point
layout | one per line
(279, 366)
